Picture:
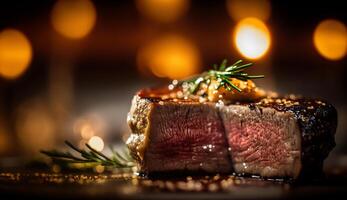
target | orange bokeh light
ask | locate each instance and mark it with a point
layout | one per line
(171, 56)
(15, 53)
(73, 18)
(35, 126)
(240, 9)
(163, 10)
(330, 39)
(5, 142)
(252, 38)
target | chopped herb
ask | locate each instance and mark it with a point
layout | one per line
(222, 75)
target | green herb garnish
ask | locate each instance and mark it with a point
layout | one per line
(222, 75)
(91, 157)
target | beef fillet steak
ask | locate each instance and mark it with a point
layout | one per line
(271, 137)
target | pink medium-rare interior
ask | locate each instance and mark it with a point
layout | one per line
(187, 137)
(265, 143)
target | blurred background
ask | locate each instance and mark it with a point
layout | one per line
(69, 68)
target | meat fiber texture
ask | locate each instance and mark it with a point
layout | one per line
(271, 138)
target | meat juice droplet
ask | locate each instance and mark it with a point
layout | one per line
(244, 165)
(208, 147)
(209, 127)
(220, 103)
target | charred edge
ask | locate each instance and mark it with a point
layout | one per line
(317, 127)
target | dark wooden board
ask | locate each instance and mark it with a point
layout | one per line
(41, 185)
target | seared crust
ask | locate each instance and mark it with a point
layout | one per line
(138, 121)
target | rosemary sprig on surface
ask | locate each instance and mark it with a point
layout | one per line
(91, 156)
(222, 75)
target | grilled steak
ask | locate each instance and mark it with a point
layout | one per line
(270, 137)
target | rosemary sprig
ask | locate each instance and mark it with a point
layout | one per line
(222, 75)
(90, 156)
